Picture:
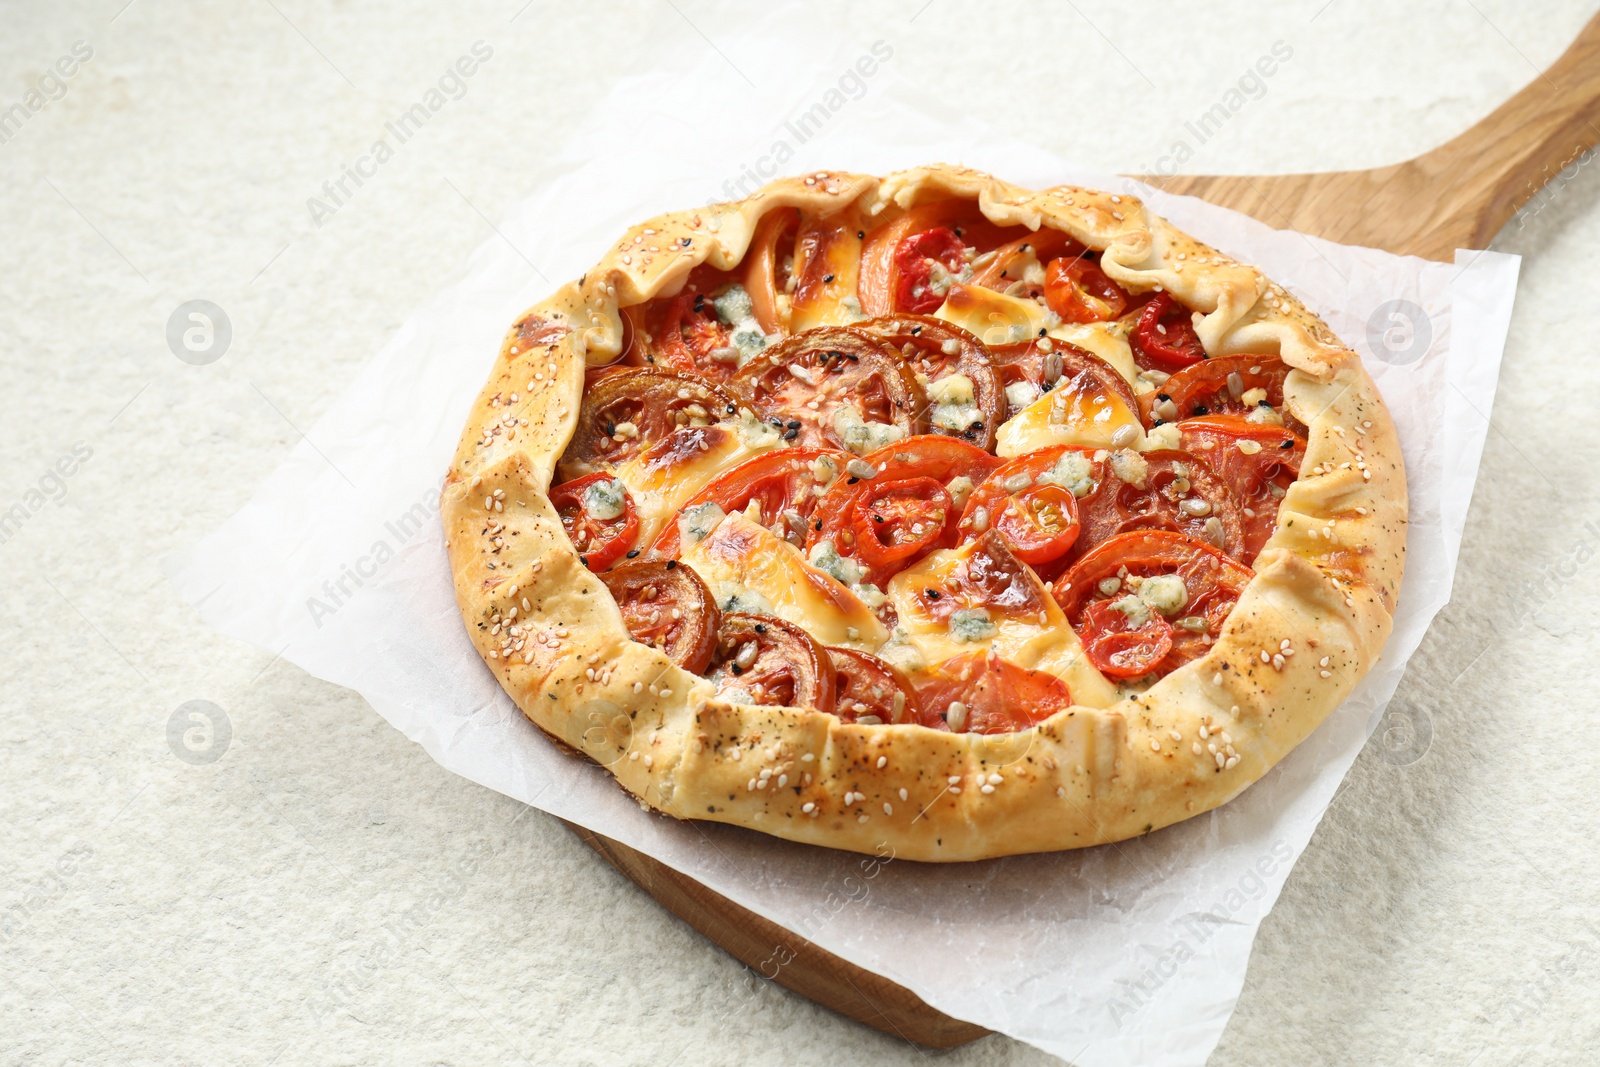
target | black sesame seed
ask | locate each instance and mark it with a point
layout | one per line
(611, 427)
(1201, 409)
(1041, 331)
(916, 330)
(760, 629)
(794, 424)
(1263, 404)
(1287, 444)
(860, 234)
(852, 481)
(632, 553)
(790, 435)
(736, 669)
(1158, 422)
(826, 278)
(1163, 397)
(672, 564)
(932, 594)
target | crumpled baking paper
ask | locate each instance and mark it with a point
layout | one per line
(1124, 954)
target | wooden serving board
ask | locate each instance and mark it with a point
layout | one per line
(1457, 196)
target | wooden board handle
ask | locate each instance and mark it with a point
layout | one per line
(1502, 162)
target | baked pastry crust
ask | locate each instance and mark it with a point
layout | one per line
(1306, 629)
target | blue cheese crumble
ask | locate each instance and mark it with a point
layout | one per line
(605, 499)
(972, 624)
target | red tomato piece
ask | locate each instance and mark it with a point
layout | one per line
(1120, 646)
(600, 542)
(867, 686)
(943, 459)
(780, 482)
(1164, 338)
(1211, 585)
(915, 258)
(1079, 291)
(1258, 463)
(1037, 520)
(1219, 387)
(983, 694)
(896, 520)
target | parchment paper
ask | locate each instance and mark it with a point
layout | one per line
(1133, 953)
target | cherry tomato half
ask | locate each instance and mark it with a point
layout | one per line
(599, 539)
(1120, 645)
(1037, 519)
(1164, 338)
(981, 693)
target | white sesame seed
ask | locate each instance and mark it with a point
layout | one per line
(862, 818)
(1266, 657)
(807, 758)
(883, 761)
(904, 795)
(808, 807)
(1155, 746)
(888, 809)
(986, 789)
(1175, 735)
(1325, 674)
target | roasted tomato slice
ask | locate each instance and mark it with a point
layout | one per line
(597, 513)
(761, 659)
(1017, 267)
(1161, 490)
(981, 693)
(784, 486)
(953, 464)
(1257, 462)
(626, 410)
(880, 284)
(1079, 291)
(834, 387)
(1139, 590)
(869, 691)
(924, 265)
(971, 406)
(1046, 364)
(896, 520)
(768, 268)
(1164, 338)
(667, 606)
(1031, 507)
(1250, 386)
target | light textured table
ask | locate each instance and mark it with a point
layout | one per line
(323, 893)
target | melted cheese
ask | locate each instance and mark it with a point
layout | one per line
(1108, 340)
(664, 476)
(743, 557)
(1033, 634)
(834, 303)
(1079, 411)
(994, 318)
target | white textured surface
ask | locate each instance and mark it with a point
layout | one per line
(324, 892)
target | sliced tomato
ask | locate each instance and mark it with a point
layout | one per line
(763, 660)
(1211, 581)
(1079, 291)
(868, 690)
(942, 459)
(1257, 462)
(896, 520)
(600, 542)
(1178, 492)
(1006, 270)
(626, 410)
(879, 284)
(765, 273)
(667, 606)
(827, 387)
(981, 693)
(1037, 518)
(934, 350)
(1120, 646)
(783, 485)
(916, 258)
(1164, 338)
(1219, 387)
